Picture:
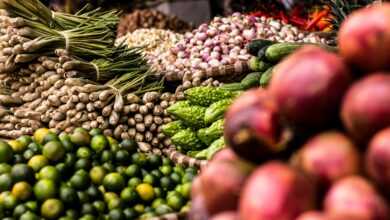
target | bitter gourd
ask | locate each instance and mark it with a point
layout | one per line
(192, 116)
(187, 140)
(210, 134)
(217, 110)
(206, 95)
(172, 128)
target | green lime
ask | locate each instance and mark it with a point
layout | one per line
(32, 206)
(166, 183)
(83, 164)
(163, 209)
(147, 215)
(29, 216)
(129, 195)
(134, 182)
(35, 147)
(129, 145)
(87, 217)
(122, 157)
(107, 156)
(109, 167)
(155, 160)
(179, 170)
(114, 145)
(175, 177)
(53, 150)
(37, 162)
(99, 143)
(80, 180)
(158, 192)
(97, 175)
(17, 146)
(68, 195)
(68, 145)
(139, 208)
(40, 134)
(83, 197)
(166, 161)
(175, 201)
(186, 190)
(5, 168)
(133, 170)
(6, 153)
(188, 177)
(19, 210)
(116, 214)
(22, 191)
(166, 170)
(150, 179)
(22, 172)
(45, 189)
(93, 192)
(108, 196)
(84, 152)
(63, 169)
(157, 202)
(121, 170)
(87, 208)
(80, 137)
(139, 158)
(113, 182)
(52, 208)
(25, 139)
(28, 154)
(5, 182)
(156, 173)
(8, 200)
(99, 206)
(49, 172)
(130, 213)
(72, 213)
(70, 159)
(114, 204)
(192, 170)
(63, 136)
(50, 137)
(145, 191)
(95, 131)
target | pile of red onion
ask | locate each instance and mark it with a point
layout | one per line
(315, 144)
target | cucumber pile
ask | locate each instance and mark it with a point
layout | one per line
(86, 175)
(198, 128)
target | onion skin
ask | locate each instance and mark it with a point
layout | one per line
(225, 154)
(252, 126)
(378, 159)
(365, 109)
(220, 184)
(364, 38)
(226, 216)
(328, 157)
(355, 196)
(308, 87)
(276, 192)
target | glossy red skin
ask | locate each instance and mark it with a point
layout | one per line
(252, 126)
(312, 215)
(276, 191)
(308, 87)
(329, 156)
(225, 154)
(226, 216)
(198, 210)
(365, 109)
(355, 196)
(364, 39)
(378, 159)
(221, 183)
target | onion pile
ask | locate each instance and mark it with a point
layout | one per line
(335, 162)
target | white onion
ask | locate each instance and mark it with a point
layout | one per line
(214, 63)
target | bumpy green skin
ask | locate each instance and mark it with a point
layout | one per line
(212, 149)
(210, 134)
(187, 140)
(217, 110)
(205, 95)
(192, 116)
(172, 128)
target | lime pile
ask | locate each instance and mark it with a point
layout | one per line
(86, 175)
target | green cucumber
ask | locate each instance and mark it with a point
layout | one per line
(251, 80)
(266, 77)
(258, 65)
(254, 46)
(232, 87)
(278, 51)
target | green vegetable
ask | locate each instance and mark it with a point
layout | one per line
(278, 51)
(258, 65)
(205, 96)
(209, 152)
(210, 134)
(254, 46)
(192, 116)
(217, 110)
(266, 77)
(172, 128)
(187, 139)
(251, 80)
(232, 86)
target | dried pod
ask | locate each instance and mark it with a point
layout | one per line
(71, 113)
(53, 123)
(80, 106)
(83, 97)
(74, 99)
(92, 115)
(64, 99)
(59, 116)
(118, 131)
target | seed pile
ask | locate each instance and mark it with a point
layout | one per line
(222, 43)
(150, 19)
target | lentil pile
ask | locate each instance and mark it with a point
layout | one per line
(222, 43)
(150, 19)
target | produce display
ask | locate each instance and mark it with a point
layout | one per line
(87, 176)
(147, 18)
(313, 144)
